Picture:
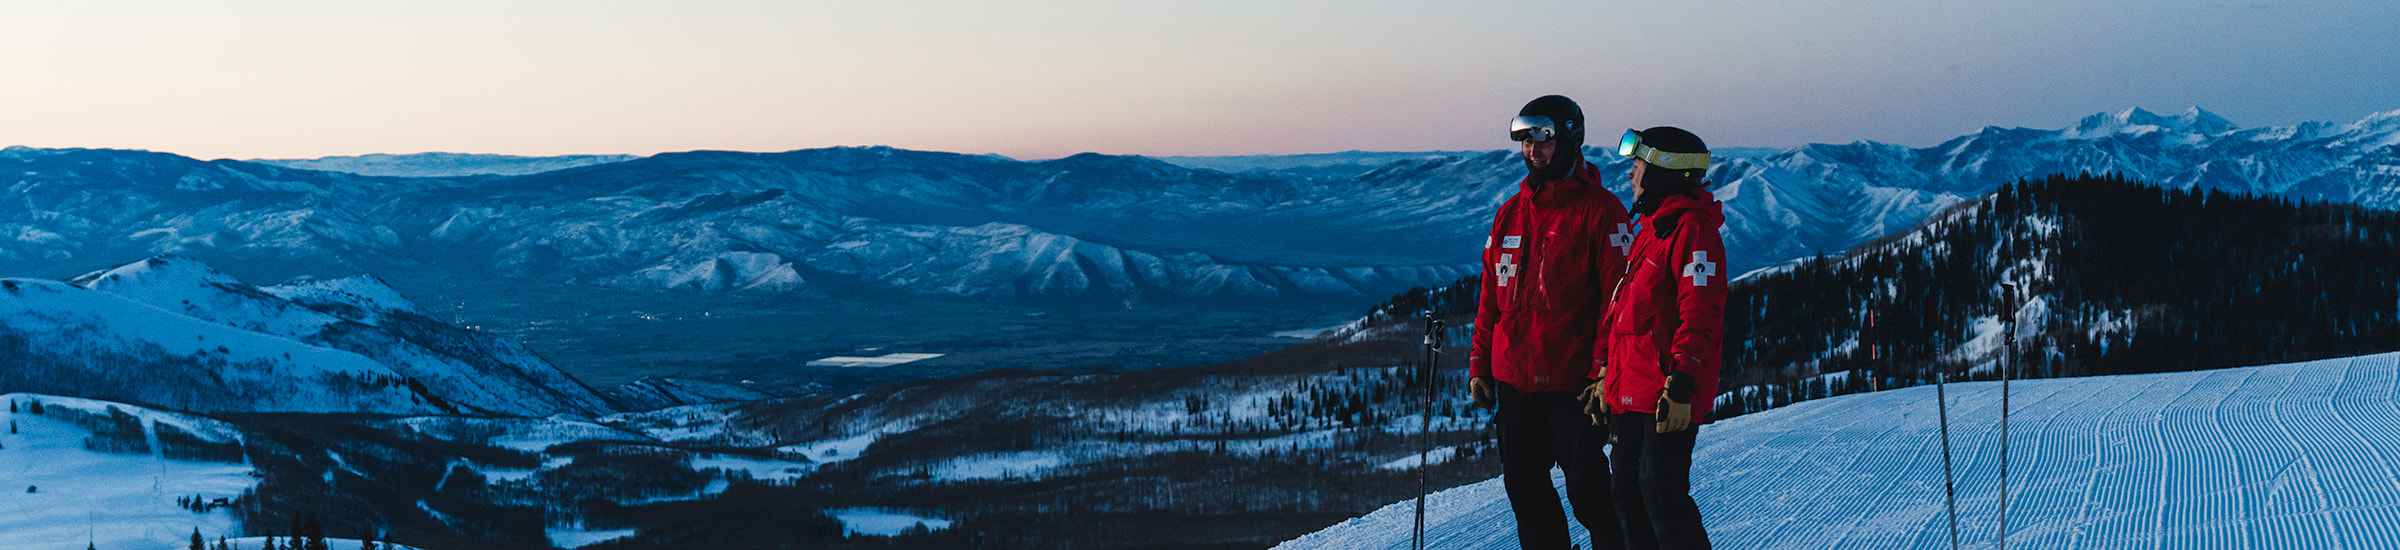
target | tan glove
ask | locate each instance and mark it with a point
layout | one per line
(1595, 400)
(1484, 391)
(1675, 416)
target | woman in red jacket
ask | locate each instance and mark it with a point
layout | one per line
(1665, 328)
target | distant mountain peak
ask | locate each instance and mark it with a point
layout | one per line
(2386, 121)
(1118, 162)
(368, 292)
(2136, 120)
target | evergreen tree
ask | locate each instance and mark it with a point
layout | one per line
(367, 541)
(197, 542)
(315, 533)
(2253, 281)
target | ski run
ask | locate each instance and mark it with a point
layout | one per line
(2296, 455)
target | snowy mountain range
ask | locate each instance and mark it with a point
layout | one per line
(1126, 230)
(1827, 198)
(1112, 229)
(435, 165)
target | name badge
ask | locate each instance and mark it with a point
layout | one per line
(1511, 241)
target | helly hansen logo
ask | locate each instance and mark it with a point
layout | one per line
(1700, 268)
(1622, 239)
(1504, 269)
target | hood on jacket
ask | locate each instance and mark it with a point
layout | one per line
(1674, 210)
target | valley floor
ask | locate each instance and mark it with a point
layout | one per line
(768, 340)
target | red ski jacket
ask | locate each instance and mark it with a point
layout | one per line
(1555, 250)
(1669, 313)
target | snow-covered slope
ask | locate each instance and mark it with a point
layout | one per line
(653, 393)
(175, 332)
(60, 490)
(2298, 455)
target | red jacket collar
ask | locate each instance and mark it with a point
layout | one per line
(1586, 175)
(1696, 199)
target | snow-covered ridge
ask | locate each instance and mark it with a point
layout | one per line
(2296, 455)
(176, 332)
(424, 165)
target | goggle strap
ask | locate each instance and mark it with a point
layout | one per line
(1672, 161)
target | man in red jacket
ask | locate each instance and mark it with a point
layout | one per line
(1555, 249)
(1666, 329)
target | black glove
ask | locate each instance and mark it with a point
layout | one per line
(1675, 404)
(1485, 390)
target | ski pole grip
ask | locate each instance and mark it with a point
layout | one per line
(1433, 332)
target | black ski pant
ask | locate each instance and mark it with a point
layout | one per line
(1540, 429)
(1654, 484)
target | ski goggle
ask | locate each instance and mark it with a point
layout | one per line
(1537, 128)
(1631, 146)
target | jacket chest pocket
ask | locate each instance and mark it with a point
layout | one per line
(1563, 278)
(1637, 302)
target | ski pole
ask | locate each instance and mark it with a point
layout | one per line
(2008, 357)
(1941, 398)
(1433, 354)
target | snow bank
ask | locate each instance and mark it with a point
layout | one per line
(884, 521)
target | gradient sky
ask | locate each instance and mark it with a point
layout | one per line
(1048, 78)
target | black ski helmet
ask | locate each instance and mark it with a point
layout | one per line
(1672, 140)
(1658, 182)
(1569, 118)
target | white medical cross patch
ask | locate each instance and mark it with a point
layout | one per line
(1700, 268)
(1504, 270)
(1622, 239)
